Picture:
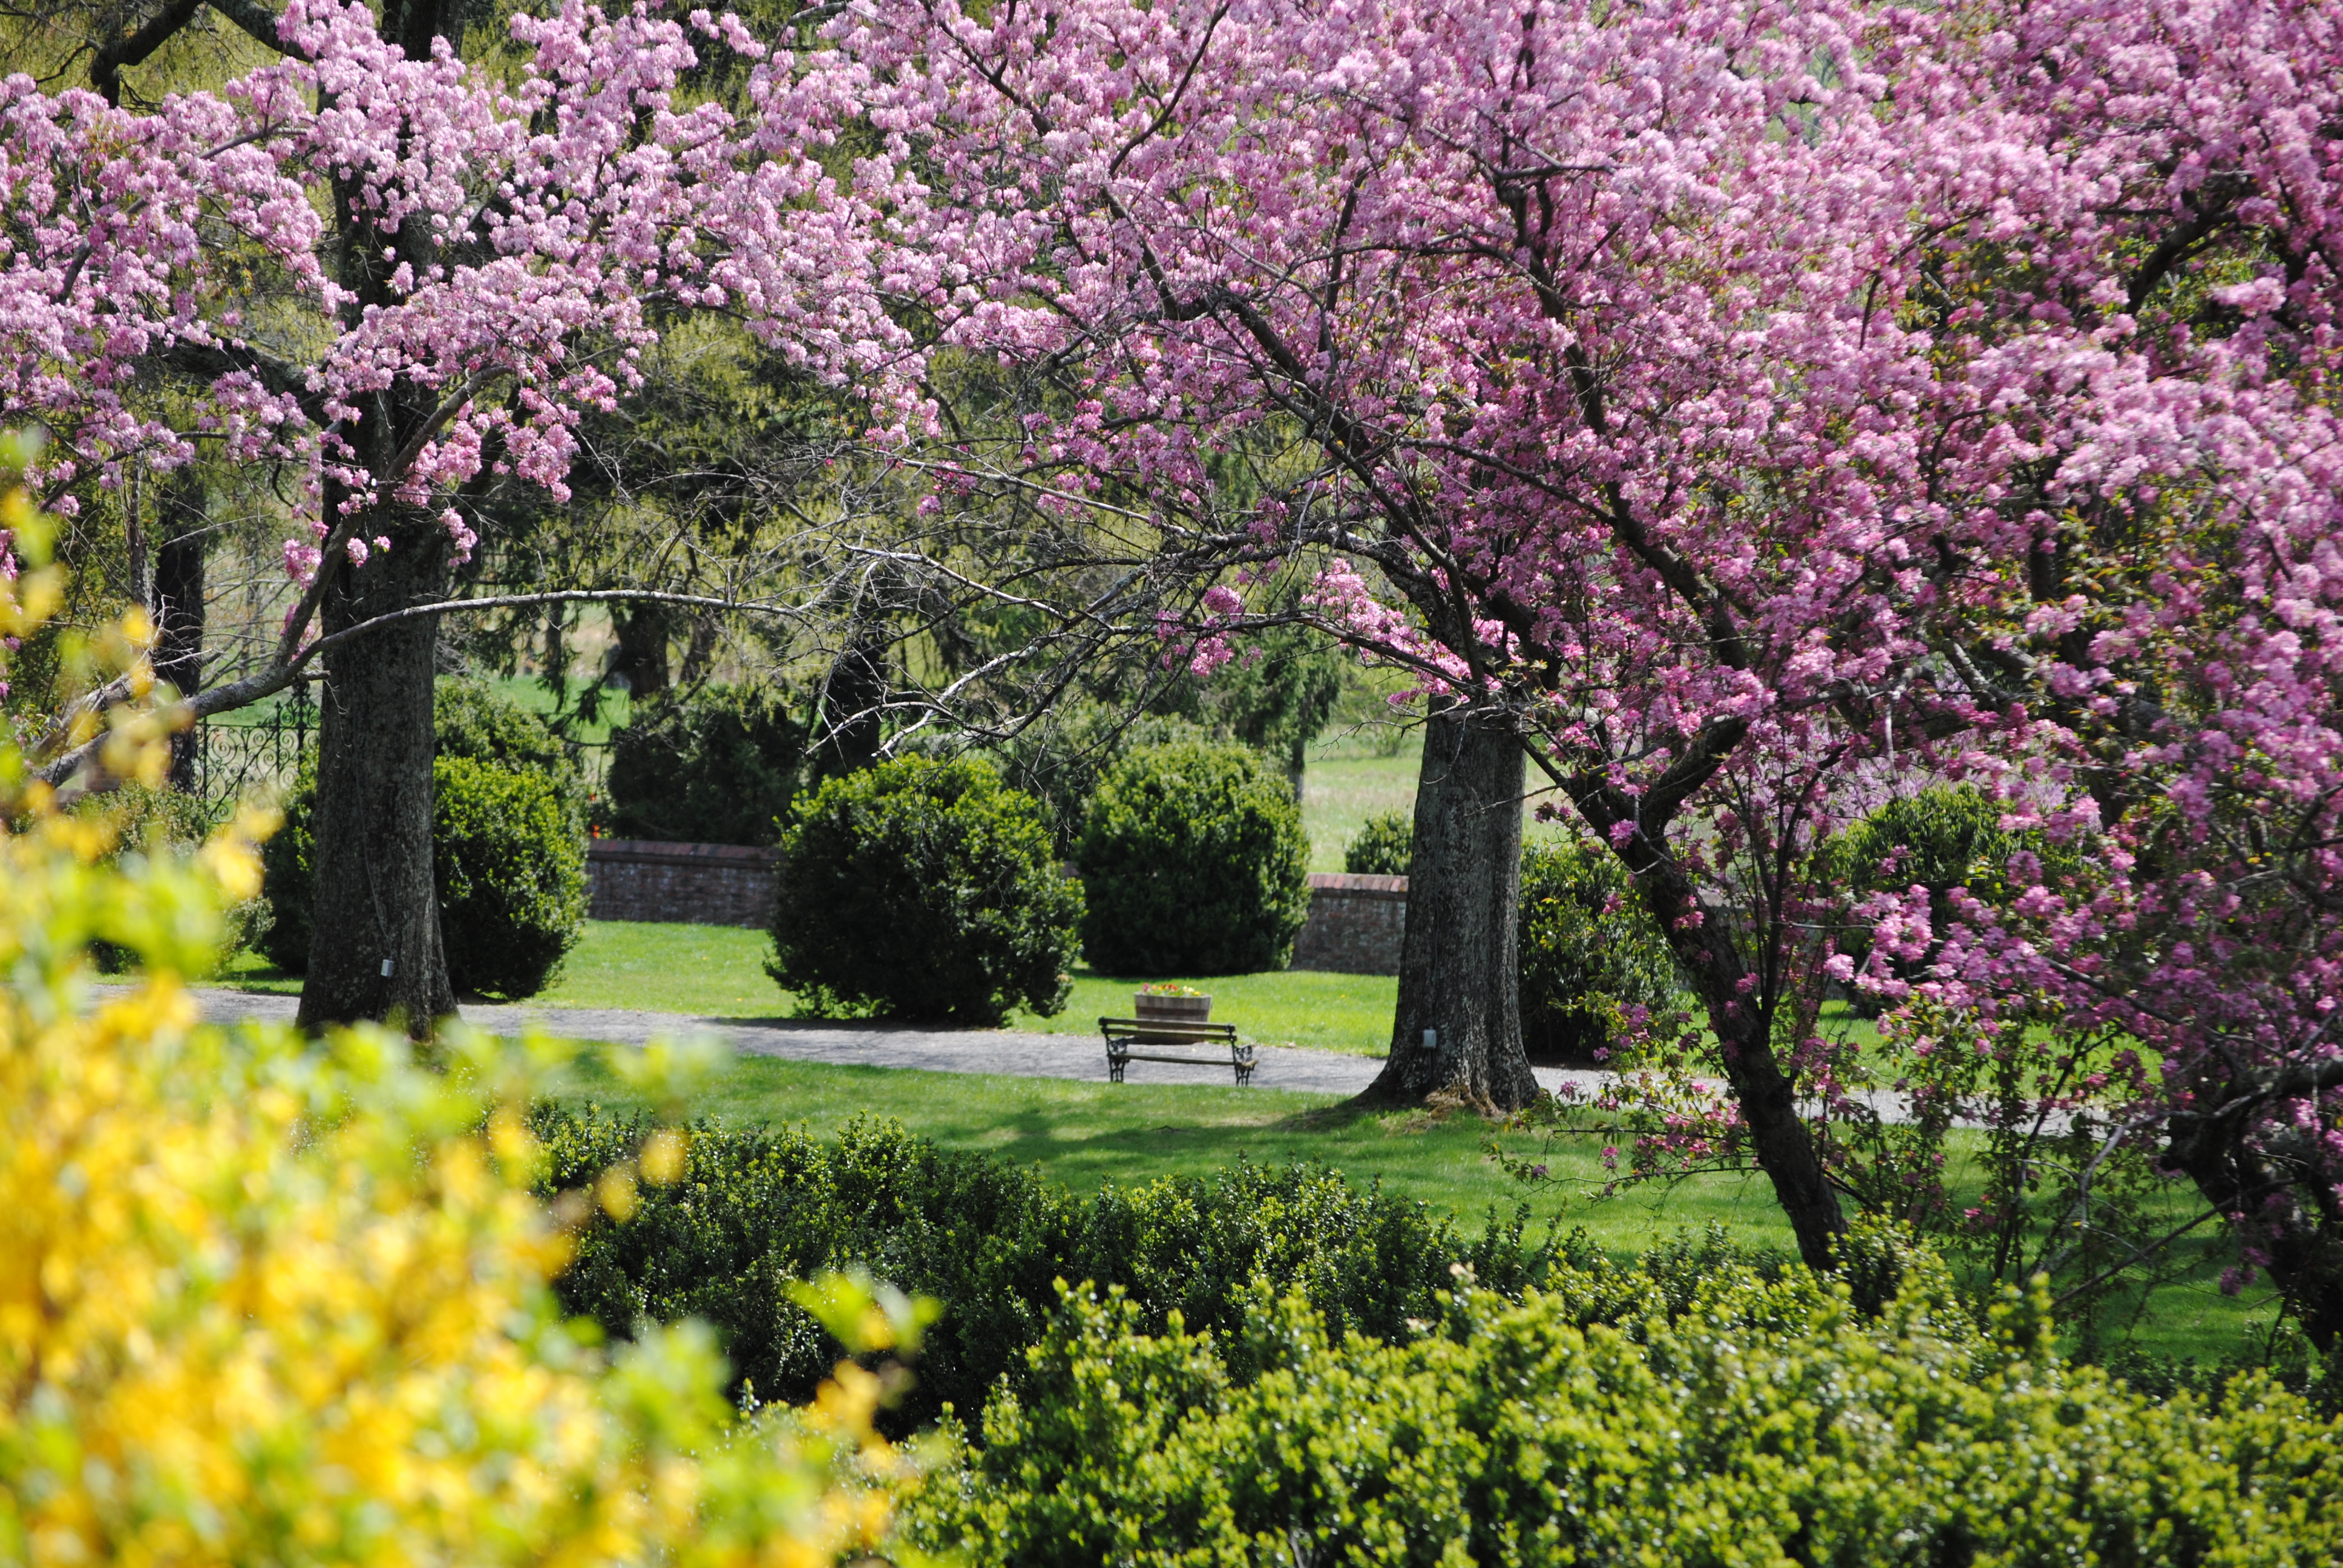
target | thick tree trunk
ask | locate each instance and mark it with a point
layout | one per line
(1458, 1027)
(376, 951)
(176, 603)
(852, 729)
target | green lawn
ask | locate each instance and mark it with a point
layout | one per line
(719, 971)
(1087, 1135)
(1348, 1013)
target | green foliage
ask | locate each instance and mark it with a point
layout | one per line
(755, 1210)
(1385, 847)
(719, 766)
(920, 889)
(507, 849)
(1060, 760)
(510, 865)
(1589, 950)
(1769, 1421)
(1194, 862)
(154, 821)
(471, 718)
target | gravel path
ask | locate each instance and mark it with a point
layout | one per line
(1010, 1052)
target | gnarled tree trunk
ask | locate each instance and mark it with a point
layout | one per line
(1458, 1026)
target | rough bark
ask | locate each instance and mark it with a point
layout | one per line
(1459, 974)
(2272, 1180)
(377, 903)
(176, 603)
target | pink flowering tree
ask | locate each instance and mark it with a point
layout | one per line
(401, 276)
(1742, 410)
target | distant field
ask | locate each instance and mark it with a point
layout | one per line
(1348, 779)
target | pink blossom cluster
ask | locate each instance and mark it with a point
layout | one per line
(1778, 405)
(564, 202)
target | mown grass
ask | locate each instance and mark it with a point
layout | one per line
(719, 971)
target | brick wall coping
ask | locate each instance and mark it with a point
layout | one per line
(657, 852)
(1358, 885)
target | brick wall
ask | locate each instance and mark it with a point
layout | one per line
(1355, 925)
(699, 884)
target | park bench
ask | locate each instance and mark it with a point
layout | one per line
(1130, 1039)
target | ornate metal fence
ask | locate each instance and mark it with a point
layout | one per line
(252, 751)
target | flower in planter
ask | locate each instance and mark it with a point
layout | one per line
(1169, 988)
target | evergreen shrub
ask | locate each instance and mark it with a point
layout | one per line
(1768, 1422)
(1194, 862)
(1945, 837)
(472, 719)
(1384, 846)
(1589, 950)
(717, 766)
(508, 850)
(157, 820)
(755, 1209)
(927, 889)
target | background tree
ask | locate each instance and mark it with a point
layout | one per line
(1736, 404)
(460, 266)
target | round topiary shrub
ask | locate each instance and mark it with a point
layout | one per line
(716, 768)
(924, 889)
(1194, 862)
(508, 849)
(510, 865)
(1589, 950)
(1385, 844)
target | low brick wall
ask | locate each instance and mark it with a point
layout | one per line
(698, 884)
(1356, 924)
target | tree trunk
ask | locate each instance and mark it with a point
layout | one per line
(1458, 1027)
(1741, 1013)
(376, 953)
(851, 728)
(2274, 1185)
(176, 603)
(641, 654)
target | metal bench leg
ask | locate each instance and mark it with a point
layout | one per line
(1114, 1066)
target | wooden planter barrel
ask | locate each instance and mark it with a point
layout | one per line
(1171, 1009)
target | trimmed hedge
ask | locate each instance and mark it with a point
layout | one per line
(510, 864)
(1589, 950)
(1385, 847)
(754, 1210)
(1769, 1422)
(1194, 862)
(926, 889)
(719, 766)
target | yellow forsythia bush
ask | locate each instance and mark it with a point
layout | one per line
(264, 1301)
